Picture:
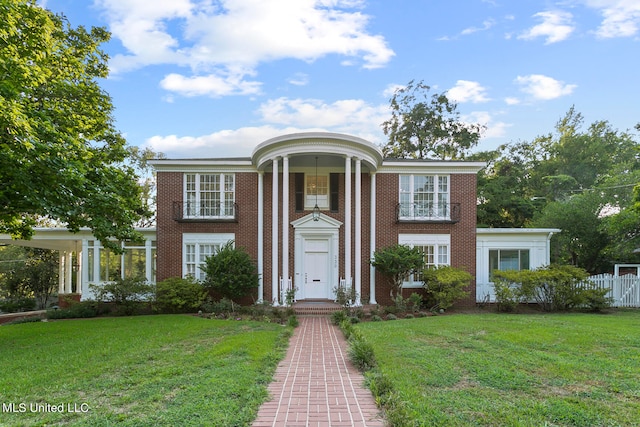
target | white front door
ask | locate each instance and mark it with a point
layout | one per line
(316, 269)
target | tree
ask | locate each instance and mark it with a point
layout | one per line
(397, 262)
(423, 126)
(582, 241)
(61, 156)
(231, 272)
(35, 277)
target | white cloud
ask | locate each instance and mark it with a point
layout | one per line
(391, 89)
(299, 79)
(210, 85)
(511, 100)
(494, 129)
(542, 87)
(467, 91)
(343, 115)
(281, 116)
(240, 33)
(233, 143)
(555, 27)
(621, 18)
(487, 24)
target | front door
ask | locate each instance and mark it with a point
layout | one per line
(316, 268)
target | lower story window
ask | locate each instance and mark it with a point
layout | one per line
(197, 247)
(508, 259)
(436, 249)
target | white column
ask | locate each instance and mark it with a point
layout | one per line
(357, 254)
(372, 232)
(61, 260)
(347, 218)
(260, 235)
(68, 272)
(274, 234)
(79, 273)
(285, 218)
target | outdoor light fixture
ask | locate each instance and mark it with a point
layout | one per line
(316, 209)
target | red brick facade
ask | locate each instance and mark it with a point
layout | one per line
(462, 191)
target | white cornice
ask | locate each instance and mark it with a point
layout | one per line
(197, 165)
(444, 167)
(317, 143)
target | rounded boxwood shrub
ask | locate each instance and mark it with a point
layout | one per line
(179, 295)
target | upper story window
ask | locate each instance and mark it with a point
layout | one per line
(424, 197)
(209, 195)
(317, 191)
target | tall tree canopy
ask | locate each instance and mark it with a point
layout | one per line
(427, 126)
(579, 180)
(61, 156)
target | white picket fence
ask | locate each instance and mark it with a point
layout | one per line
(625, 290)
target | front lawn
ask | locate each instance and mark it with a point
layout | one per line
(513, 370)
(137, 371)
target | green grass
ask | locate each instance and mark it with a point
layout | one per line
(513, 370)
(138, 371)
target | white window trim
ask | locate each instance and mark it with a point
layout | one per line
(198, 239)
(222, 192)
(436, 240)
(436, 207)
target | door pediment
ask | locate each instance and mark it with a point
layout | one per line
(324, 222)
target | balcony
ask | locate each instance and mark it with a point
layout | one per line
(205, 212)
(448, 213)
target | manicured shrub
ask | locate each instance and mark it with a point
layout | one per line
(179, 295)
(445, 285)
(391, 316)
(397, 262)
(554, 288)
(508, 293)
(293, 321)
(595, 299)
(361, 353)
(77, 310)
(17, 304)
(127, 295)
(376, 318)
(231, 272)
(338, 316)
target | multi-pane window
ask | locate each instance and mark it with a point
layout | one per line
(435, 248)
(508, 259)
(197, 248)
(317, 191)
(209, 195)
(137, 261)
(424, 196)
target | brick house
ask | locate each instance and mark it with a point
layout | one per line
(311, 209)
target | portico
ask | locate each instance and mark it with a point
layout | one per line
(325, 171)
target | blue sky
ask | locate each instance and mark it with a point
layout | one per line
(214, 78)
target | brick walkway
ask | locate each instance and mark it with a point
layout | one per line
(316, 385)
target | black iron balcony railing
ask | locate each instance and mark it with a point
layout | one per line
(205, 212)
(428, 212)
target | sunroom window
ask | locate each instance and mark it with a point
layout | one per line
(508, 259)
(210, 195)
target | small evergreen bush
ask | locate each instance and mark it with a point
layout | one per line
(179, 295)
(231, 272)
(445, 285)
